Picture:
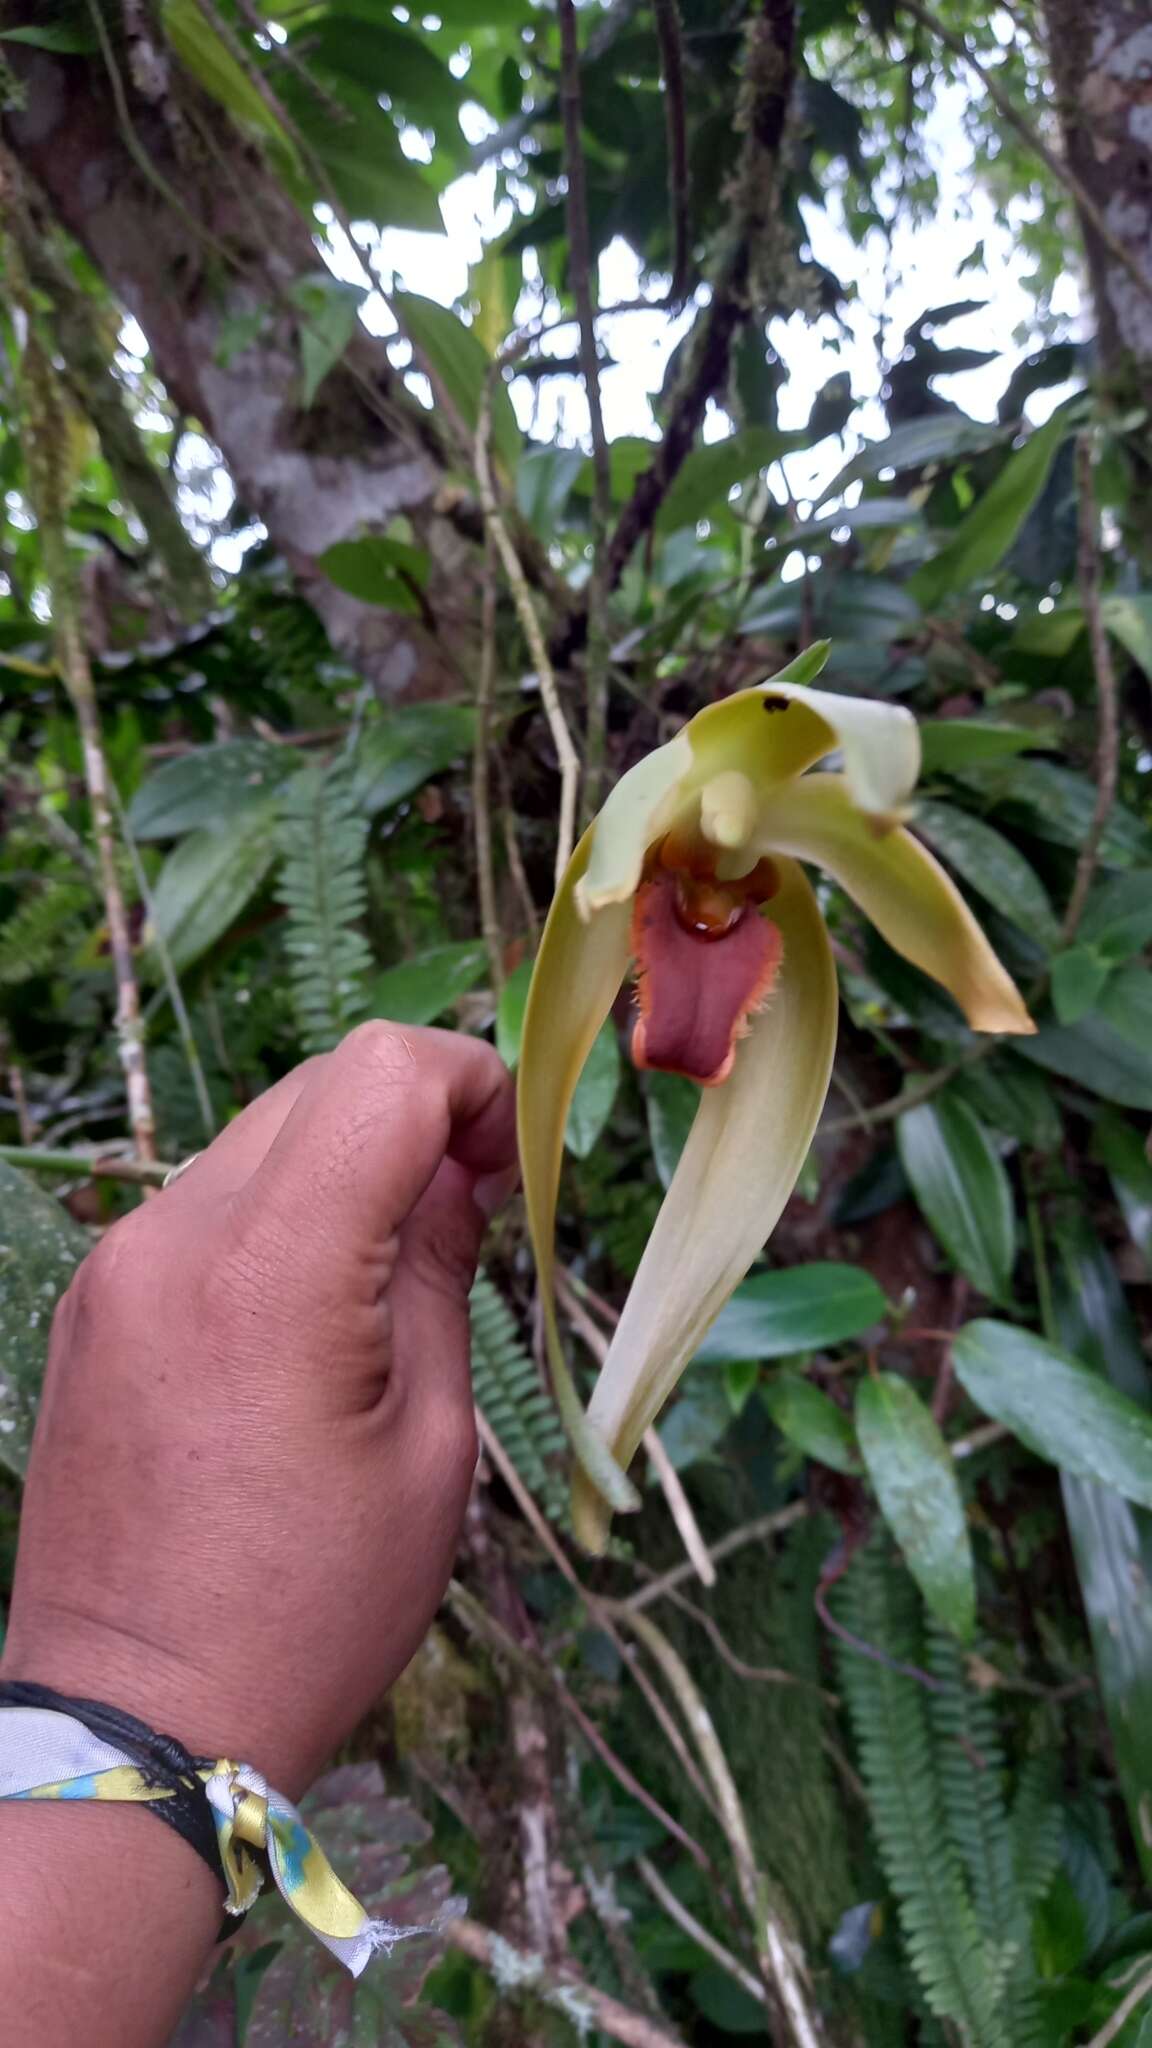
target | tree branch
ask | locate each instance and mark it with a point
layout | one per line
(667, 18)
(1107, 694)
(563, 1989)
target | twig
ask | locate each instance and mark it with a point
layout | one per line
(780, 1957)
(584, 292)
(666, 1897)
(756, 1674)
(1107, 694)
(481, 763)
(1123, 2013)
(563, 1989)
(145, 1173)
(667, 19)
(911, 1098)
(1058, 165)
(765, 93)
(671, 1485)
(758, 1531)
(530, 624)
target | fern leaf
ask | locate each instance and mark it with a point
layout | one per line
(37, 934)
(1037, 1831)
(512, 1400)
(321, 886)
(959, 1971)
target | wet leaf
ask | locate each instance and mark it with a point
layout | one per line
(595, 1092)
(419, 990)
(776, 1315)
(1058, 1407)
(211, 877)
(961, 1185)
(813, 1422)
(912, 1471)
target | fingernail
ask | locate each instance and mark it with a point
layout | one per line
(492, 1190)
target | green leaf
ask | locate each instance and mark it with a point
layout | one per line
(1013, 1098)
(960, 1184)
(1078, 977)
(207, 56)
(1097, 1056)
(1057, 804)
(362, 159)
(671, 1102)
(776, 1315)
(419, 990)
(948, 743)
(985, 535)
(457, 358)
(711, 472)
(406, 748)
(1060, 1409)
(378, 571)
(211, 877)
(207, 786)
(510, 1012)
(990, 865)
(694, 1424)
(813, 1422)
(1118, 914)
(329, 317)
(1122, 1151)
(911, 1469)
(1129, 620)
(595, 1092)
(943, 437)
(360, 45)
(40, 1249)
(68, 39)
(544, 480)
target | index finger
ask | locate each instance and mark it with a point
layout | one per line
(368, 1130)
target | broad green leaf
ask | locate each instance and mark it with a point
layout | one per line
(960, 1184)
(544, 480)
(912, 1471)
(510, 1012)
(948, 743)
(869, 609)
(985, 535)
(1098, 1057)
(801, 1308)
(329, 316)
(1078, 978)
(1057, 804)
(990, 865)
(595, 1093)
(419, 990)
(696, 1422)
(66, 38)
(362, 159)
(207, 56)
(671, 1102)
(1118, 914)
(813, 1422)
(362, 46)
(206, 786)
(944, 437)
(40, 1249)
(1013, 1098)
(458, 360)
(1129, 620)
(711, 471)
(1061, 1409)
(404, 748)
(1124, 1153)
(378, 571)
(211, 877)
(1126, 1005)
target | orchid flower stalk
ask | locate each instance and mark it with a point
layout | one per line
(692, 875)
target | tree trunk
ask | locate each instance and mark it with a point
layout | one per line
(196, 239)
(1101, 54)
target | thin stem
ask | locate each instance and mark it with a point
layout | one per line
(481, 763)
(667, 18)
(145, 1173)
(584, 292)
(1107, 694)
(759, 1531)
(666, 1897)
(911, 1098)
(530, 625)
(561, 1988)
(1123, 2013)
(1061, 170)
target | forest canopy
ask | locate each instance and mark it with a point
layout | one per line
(408, 422)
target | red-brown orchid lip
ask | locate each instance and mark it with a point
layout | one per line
(706, 958)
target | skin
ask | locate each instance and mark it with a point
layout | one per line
(249, 1473)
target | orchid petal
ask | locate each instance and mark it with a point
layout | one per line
(777, 730)
(638, 810)
(903, 890)
(746, 1148)
(575, 982)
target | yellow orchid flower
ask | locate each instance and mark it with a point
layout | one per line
(692, 872)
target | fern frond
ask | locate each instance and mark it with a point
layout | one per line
(321, 886)
(958, 1969)
(512, 1400)
(1037, 1831)
(37, 934)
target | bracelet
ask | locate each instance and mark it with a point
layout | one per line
(54, 1747)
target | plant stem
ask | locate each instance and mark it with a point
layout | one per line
(481, 762)
(146, 1173)
(1107, 694)
(562, 1989)
(667, 18)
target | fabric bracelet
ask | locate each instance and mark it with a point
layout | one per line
(82, 1750)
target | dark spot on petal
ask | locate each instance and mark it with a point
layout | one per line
(776, 703)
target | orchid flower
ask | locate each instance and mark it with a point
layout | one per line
(691, 874)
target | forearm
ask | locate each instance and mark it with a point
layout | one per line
(106, 1919)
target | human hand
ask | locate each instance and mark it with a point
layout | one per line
(256, 1440)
